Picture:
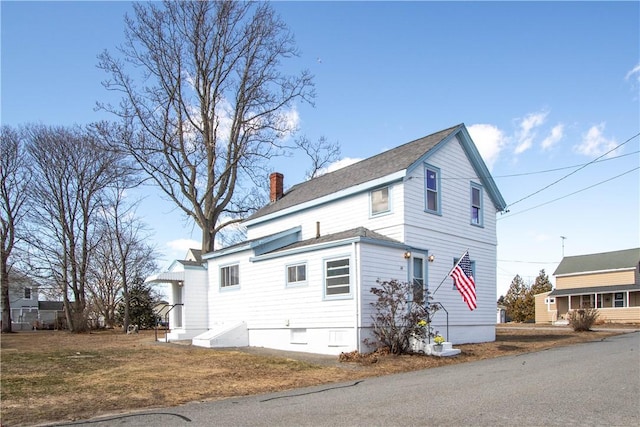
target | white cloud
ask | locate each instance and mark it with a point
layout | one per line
(527, 131)
(634, 71)
(180, 247)
(554, 137)
(338, 165)
(490, 141)
(289, 120)
(594, 143)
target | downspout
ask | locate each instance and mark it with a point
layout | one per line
(356, 290)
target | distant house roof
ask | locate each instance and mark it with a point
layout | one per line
(51, 305)
(397, 159)
(194, 255)
(604, 261)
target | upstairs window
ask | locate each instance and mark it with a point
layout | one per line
(476, 204)
(380, 201)
(27, 293)
(230, 276)
(296, 274)
(337, 277)
(432, 189)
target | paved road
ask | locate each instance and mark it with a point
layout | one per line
(594, 383)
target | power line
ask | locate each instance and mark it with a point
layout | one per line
(571, 194)
(569, 174)
(564, 167)
(513, 175)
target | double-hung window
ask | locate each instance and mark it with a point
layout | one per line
(476, 204)
(230, 276)
(380, 201)
(432, 189)
(337, 277)
(27, 293)
(296, 274)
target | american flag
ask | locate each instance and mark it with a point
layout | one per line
(463, 279)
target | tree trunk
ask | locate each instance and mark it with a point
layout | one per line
(6, 302)
(208, 240)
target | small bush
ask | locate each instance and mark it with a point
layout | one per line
(583, 319)
(399, 315)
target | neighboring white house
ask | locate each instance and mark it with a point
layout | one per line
(302, 279)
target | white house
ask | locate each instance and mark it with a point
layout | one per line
(302, 279)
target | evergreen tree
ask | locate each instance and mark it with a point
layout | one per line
(518, 301)
(542, 283)
(142, 299)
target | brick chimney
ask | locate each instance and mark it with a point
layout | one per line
(276, 180)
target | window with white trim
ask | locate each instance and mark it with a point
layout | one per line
(586, 301)
(418, 279)
(27, 293)
(432, 189)
(296, 274)
(380, 201)
(618, 299)
(230, 276)
(476, 204)
(337, 277)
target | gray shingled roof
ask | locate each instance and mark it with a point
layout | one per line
(383, 164)
(628, 258)
(343, 235)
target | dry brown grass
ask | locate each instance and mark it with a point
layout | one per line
(55, 376)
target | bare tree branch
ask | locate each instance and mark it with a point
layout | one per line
(208, 103)
(15, 178)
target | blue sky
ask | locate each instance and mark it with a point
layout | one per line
(542, 86)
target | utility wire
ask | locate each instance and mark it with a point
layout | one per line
(546, 170)
(564, 167)
(569, 174)
(571, 194)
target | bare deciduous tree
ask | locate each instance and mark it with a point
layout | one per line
(206, 104)
(71, 170)
(14, 181)
(123, 257)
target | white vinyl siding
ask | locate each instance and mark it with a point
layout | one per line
(448, 235)
(337, 277)
(340, 215)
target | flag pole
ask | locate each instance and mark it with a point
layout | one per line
(449, 273)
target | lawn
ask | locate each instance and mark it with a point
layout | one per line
(49, 376)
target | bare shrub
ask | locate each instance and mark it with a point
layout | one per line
(582, 319)
(399, 315)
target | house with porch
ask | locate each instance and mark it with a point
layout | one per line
(608, 281)
(27, 310)
(302, 279)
